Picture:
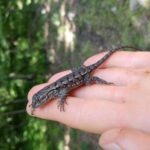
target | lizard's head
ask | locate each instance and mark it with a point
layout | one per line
(38, 101)
(40, 98)
(35, 101)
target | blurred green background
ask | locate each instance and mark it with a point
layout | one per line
(41, 37)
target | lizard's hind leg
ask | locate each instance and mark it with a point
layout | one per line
(89, 80)
(99, 80)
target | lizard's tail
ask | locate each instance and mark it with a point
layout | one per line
(110, 52)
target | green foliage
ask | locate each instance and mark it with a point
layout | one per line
(20, 53)
(32, 45)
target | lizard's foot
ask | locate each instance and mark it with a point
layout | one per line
(61, 104)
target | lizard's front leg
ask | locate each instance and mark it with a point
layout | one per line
(62, 101)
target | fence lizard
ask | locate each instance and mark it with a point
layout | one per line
(61, 87)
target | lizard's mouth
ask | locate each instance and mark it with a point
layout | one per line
(38, 101)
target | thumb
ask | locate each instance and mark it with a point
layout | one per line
(125, 139)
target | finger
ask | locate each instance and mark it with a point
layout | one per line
(120, 76)
(79, 113)
(123, 79)
(105, 92)
(125, 139)
(123, 59)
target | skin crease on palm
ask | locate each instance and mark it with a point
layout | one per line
(100, 108)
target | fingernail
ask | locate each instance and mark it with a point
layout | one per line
(111, 146)
(109, 138)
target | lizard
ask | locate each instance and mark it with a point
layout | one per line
(78, 77)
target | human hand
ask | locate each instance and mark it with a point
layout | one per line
(97, 108)
(125, 139)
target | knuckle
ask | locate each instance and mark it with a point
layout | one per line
(120, 94)
(123, 134)
(146, 72)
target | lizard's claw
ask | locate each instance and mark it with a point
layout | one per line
(60, 105)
